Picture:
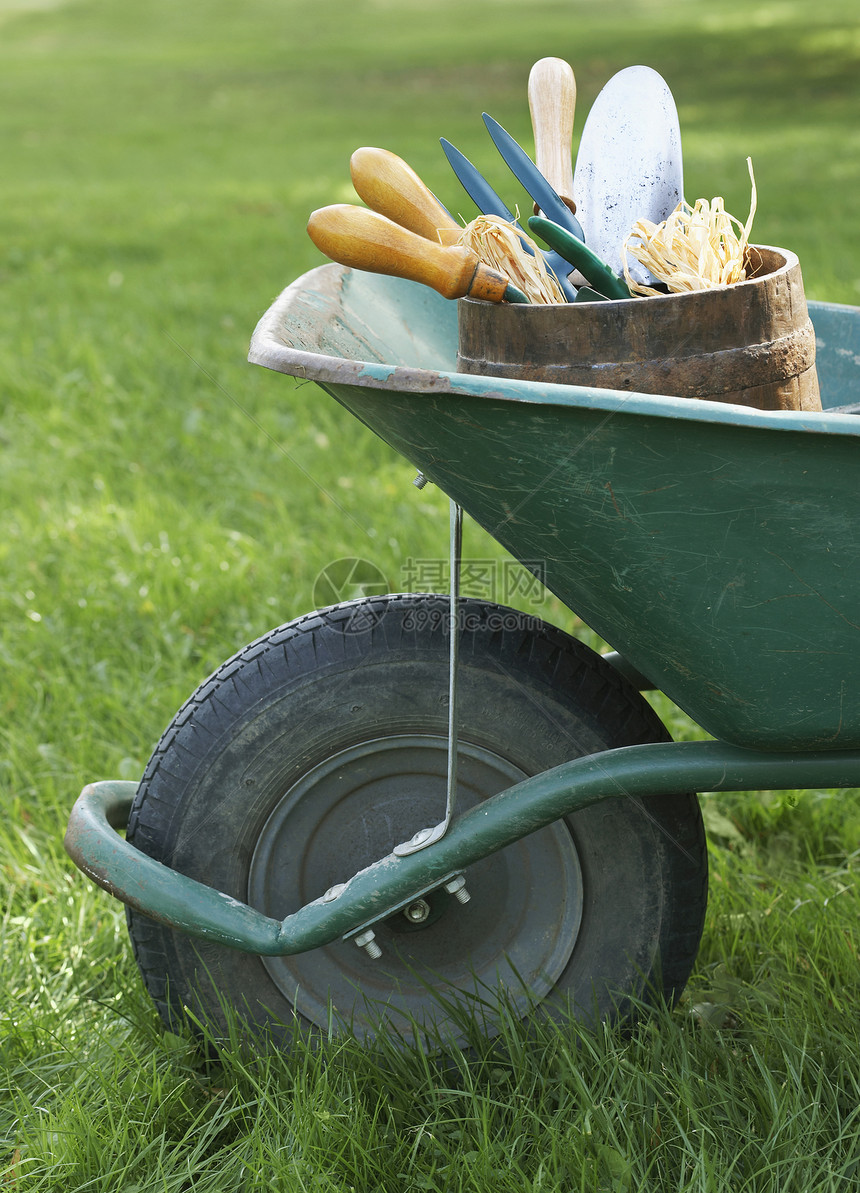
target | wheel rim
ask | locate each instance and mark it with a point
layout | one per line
(516, 934)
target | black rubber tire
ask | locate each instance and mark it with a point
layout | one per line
(259, 787)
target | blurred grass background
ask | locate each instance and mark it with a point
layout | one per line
(162, 502)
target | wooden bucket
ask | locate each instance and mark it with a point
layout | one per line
(750, 343)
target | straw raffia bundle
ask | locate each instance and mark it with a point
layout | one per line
(696, 248)
(497, 243)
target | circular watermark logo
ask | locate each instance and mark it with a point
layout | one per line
(351, 579)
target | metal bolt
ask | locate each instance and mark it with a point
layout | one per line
(420, 481)
(457, 888)
(417, 912)
(367, 941)
(333, 892)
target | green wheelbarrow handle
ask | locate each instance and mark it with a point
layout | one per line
(632, 772)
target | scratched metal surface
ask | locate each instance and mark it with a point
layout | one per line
(716, 547)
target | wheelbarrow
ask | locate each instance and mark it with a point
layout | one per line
(406, 798)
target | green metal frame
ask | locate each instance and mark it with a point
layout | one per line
(634, 772)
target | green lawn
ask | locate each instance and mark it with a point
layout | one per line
(163, 503)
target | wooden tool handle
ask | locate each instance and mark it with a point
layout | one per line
(387, 184)
(552, 102)
(366, 240)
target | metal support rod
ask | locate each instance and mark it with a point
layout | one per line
(455, 559)
(429, 836)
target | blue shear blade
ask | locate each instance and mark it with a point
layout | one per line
(488, 202)
(527, 173)
(476, 185)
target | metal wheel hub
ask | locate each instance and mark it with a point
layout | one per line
(517, 930)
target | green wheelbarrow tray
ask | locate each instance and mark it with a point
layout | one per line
(715, 547)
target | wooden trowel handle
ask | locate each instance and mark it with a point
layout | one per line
(552, 102)
(387, 184)
(364, 239)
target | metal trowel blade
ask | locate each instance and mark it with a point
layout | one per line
(629, 163)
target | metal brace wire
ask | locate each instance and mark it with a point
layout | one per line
(427, 836)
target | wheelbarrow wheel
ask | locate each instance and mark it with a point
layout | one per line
(318, 748)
